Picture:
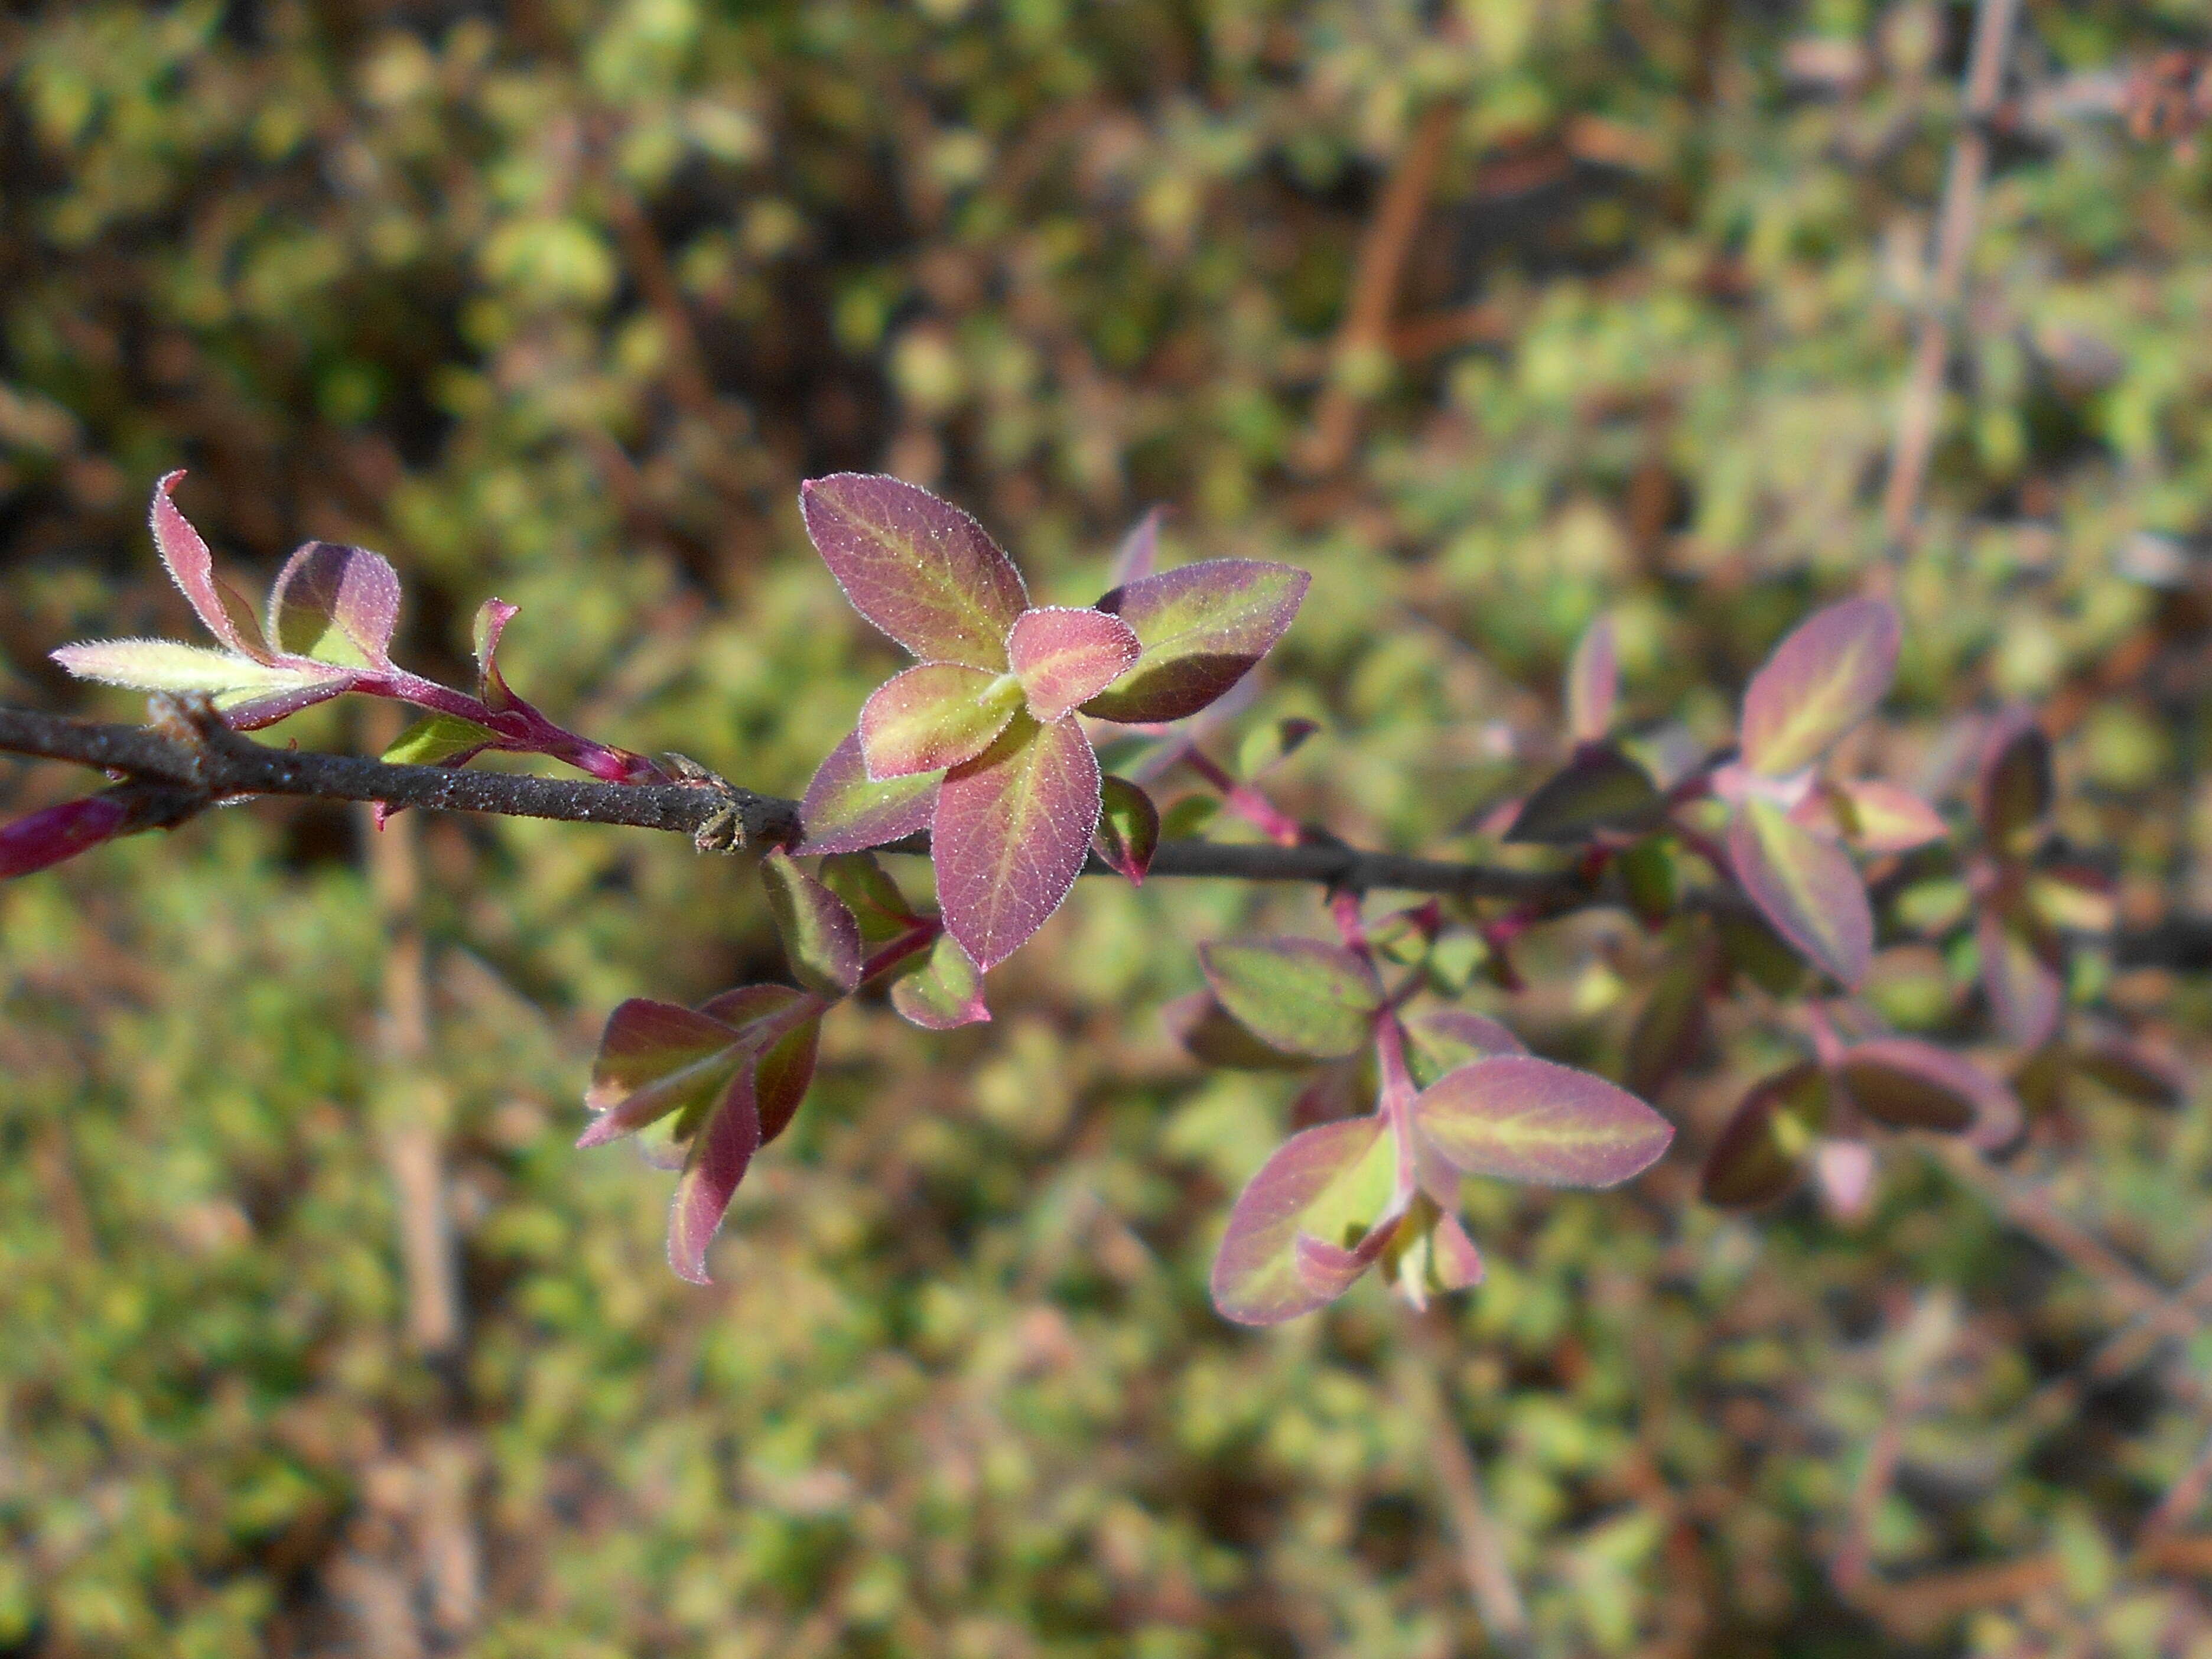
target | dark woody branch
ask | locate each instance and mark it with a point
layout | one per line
(188, 759)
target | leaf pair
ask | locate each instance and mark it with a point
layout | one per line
(1788, 1121)
(980, 744)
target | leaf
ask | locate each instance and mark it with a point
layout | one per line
(1821, 681)
(1430, 1254)
(945, 993)
(821, 937)
(782, 1074)
(191, 567)
(1129, 828)
(1299, 995)
(1806, 886)
(1212, 1037)
(166, 666)
(1593, 683)
(918, 568)
(48, 836)
(438, 740)
(1012, 831)
(1911, 1085)
(1761, 1151)
(873, 897)
(1882, 817)
(1270, 744)
(2131, 1071)
(719, 1157)
(2072, 900)
(1138, 555)
(1649, 878)
(2026, 995)
(1515, 1117)
(1442, 1040)
(491, 620)
(846, 810)
(1601, 788)
(1670, 1027)
(656, 1059)
(336, 604)
(1063, 656)
(1202, 627)
(2013, 792)
(932, 717)
(1331, 1184)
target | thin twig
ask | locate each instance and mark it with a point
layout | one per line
(1954, 237)
(194, 766)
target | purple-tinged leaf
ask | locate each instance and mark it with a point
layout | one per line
(1517, 1118)
(945, 993)
(491, 620)
(1064, 657)
(1911, 1085)
(1138, 555)
(1332, 1184)
(846, 810)
(2131, 1071)
(1884, 817)
(438, 740)
(335, 603)
(1329, 1270)
(1202, 627)
(1844, 1172)
(1806, 887)
(1299, 995)
(1129, 828)
(46, 837)
(932, 717)
(781, 1075)
(2015, 788)
(2024, 991)
(1593, 683)
(665, 1142)
(1012, 831)
(719, 1157)
(1430, 1254)
(1441, 1040)
(1670, 1027)
(751, 1005)
(229, 678)
(1601, 788)
(656, 1059)
(1821, 681)
(1212, 1037)
(191, 567)
(875, 900)
(1762, 1150)
(918, 568)
(821, 937)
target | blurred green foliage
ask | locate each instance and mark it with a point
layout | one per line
(558, 300)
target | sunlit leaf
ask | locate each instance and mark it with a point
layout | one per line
(438, 740)
(336, 604)
(1441, 1040)
(945, 993)
(1299, 995)
(1821, 681)
(1601, 788)
(1331, 1184)
(1064, 657)
(2072, 900)
(918, 568)
(191, 567)
(165, 665)
(1593, 682)
(782, 1074)
(1213, 1037)
(720, 1155)
(821, 938)
(1202, 627)
(2025, 992)
(1806, 886)
(1884, 817)
(2014, 791)
(656, 1059)
(1012, 832)
(1763, 1149)
(932, 717)
(491, 620)
(1911, 1085)
(1129, 828)
(1518, 1118)
(845, 810)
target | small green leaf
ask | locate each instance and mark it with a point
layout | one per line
(1129, 828)
(874, 898)
(1212, 1037)
(821, 938)
(437, 738)
(1299, 995)
(944, 992)
(1443, 1039)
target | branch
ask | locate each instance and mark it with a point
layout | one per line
(188, 761)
